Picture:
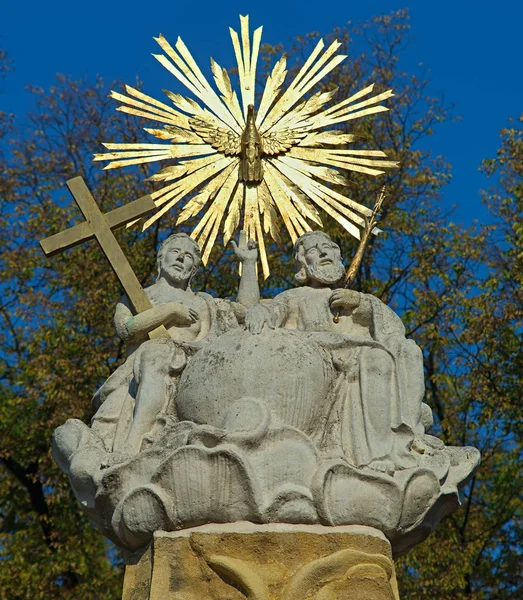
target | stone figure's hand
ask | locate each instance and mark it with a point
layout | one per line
(245, 250)
(181, 315)
(256, 318)
(344, 299)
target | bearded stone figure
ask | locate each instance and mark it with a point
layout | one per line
(282, 416)
(369, 410)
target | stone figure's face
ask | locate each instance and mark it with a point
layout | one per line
(322, 260)
(179, 261)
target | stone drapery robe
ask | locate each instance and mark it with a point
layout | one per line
(376, 401)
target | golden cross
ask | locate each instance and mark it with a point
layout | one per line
(100, 226)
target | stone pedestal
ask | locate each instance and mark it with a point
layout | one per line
(264, 562)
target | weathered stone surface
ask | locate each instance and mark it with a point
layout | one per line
(264, 562)
(278, 413)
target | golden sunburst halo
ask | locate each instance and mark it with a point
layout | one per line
(241, 163)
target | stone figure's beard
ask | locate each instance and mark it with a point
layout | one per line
(176, 276)
(326, 274)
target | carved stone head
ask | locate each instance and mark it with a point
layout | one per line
(317, 259)
(178, 258)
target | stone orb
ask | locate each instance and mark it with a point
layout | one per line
(289, 373)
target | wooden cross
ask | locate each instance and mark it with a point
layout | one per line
(100, 226)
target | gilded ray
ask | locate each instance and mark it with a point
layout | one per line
(300, 116)
(261, 247)
(177, 171)
(209, 96)
(267, 209)
(117, 164)
(323, 156)
(215, 212)
(347, 206)
(278, 198)
(246, 60)
(169, 173)
(322, 138)
(192, 180)
(196, 204)
(150, 100)
(229, 96)
(309, 187)
(189, 184)
(147, 115)
(167, 64)
(307, 81)
(251, 208)
(307, 64)
(272, 88)
(304, 82)
(348, 106)
(377, 153)
(135, 146)
(187, 72)
(233, 216)
(322, 121)
(142, 105)
(300, 202)
(325, 173)
(297, 154)
(175, 134)
(291, 216)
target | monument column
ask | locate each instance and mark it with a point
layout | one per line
(263, 562)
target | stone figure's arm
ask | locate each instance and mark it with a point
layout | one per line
(272, 313)
(342, 298)
(239, 310)
(363, 313)
(386, 325)
(247, 253)
(172, 313)
(359, 305)
(279, 308)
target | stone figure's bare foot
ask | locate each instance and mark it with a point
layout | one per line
(420, 446)
(115, 458)
(382, 466)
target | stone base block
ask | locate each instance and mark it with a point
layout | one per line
(240, 561)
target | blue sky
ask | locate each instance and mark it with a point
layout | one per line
(471, 49)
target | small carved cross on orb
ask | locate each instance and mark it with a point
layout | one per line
(100, 226)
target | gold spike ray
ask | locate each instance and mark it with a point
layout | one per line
(216, 212)
(269, 212)
(321, 138)
(233, 216)
(294, 221)
(293, 94)
(188, 186)
(196, 204)
(310, 187)
(146, 115)
(175, 134)
(246, 60)
(299, 200)
(223, 83)
(194, 81)
(272, 88)
(169, 115)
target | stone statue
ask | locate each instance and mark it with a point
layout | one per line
(377, 400)
(130, 401)
(263, 411)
